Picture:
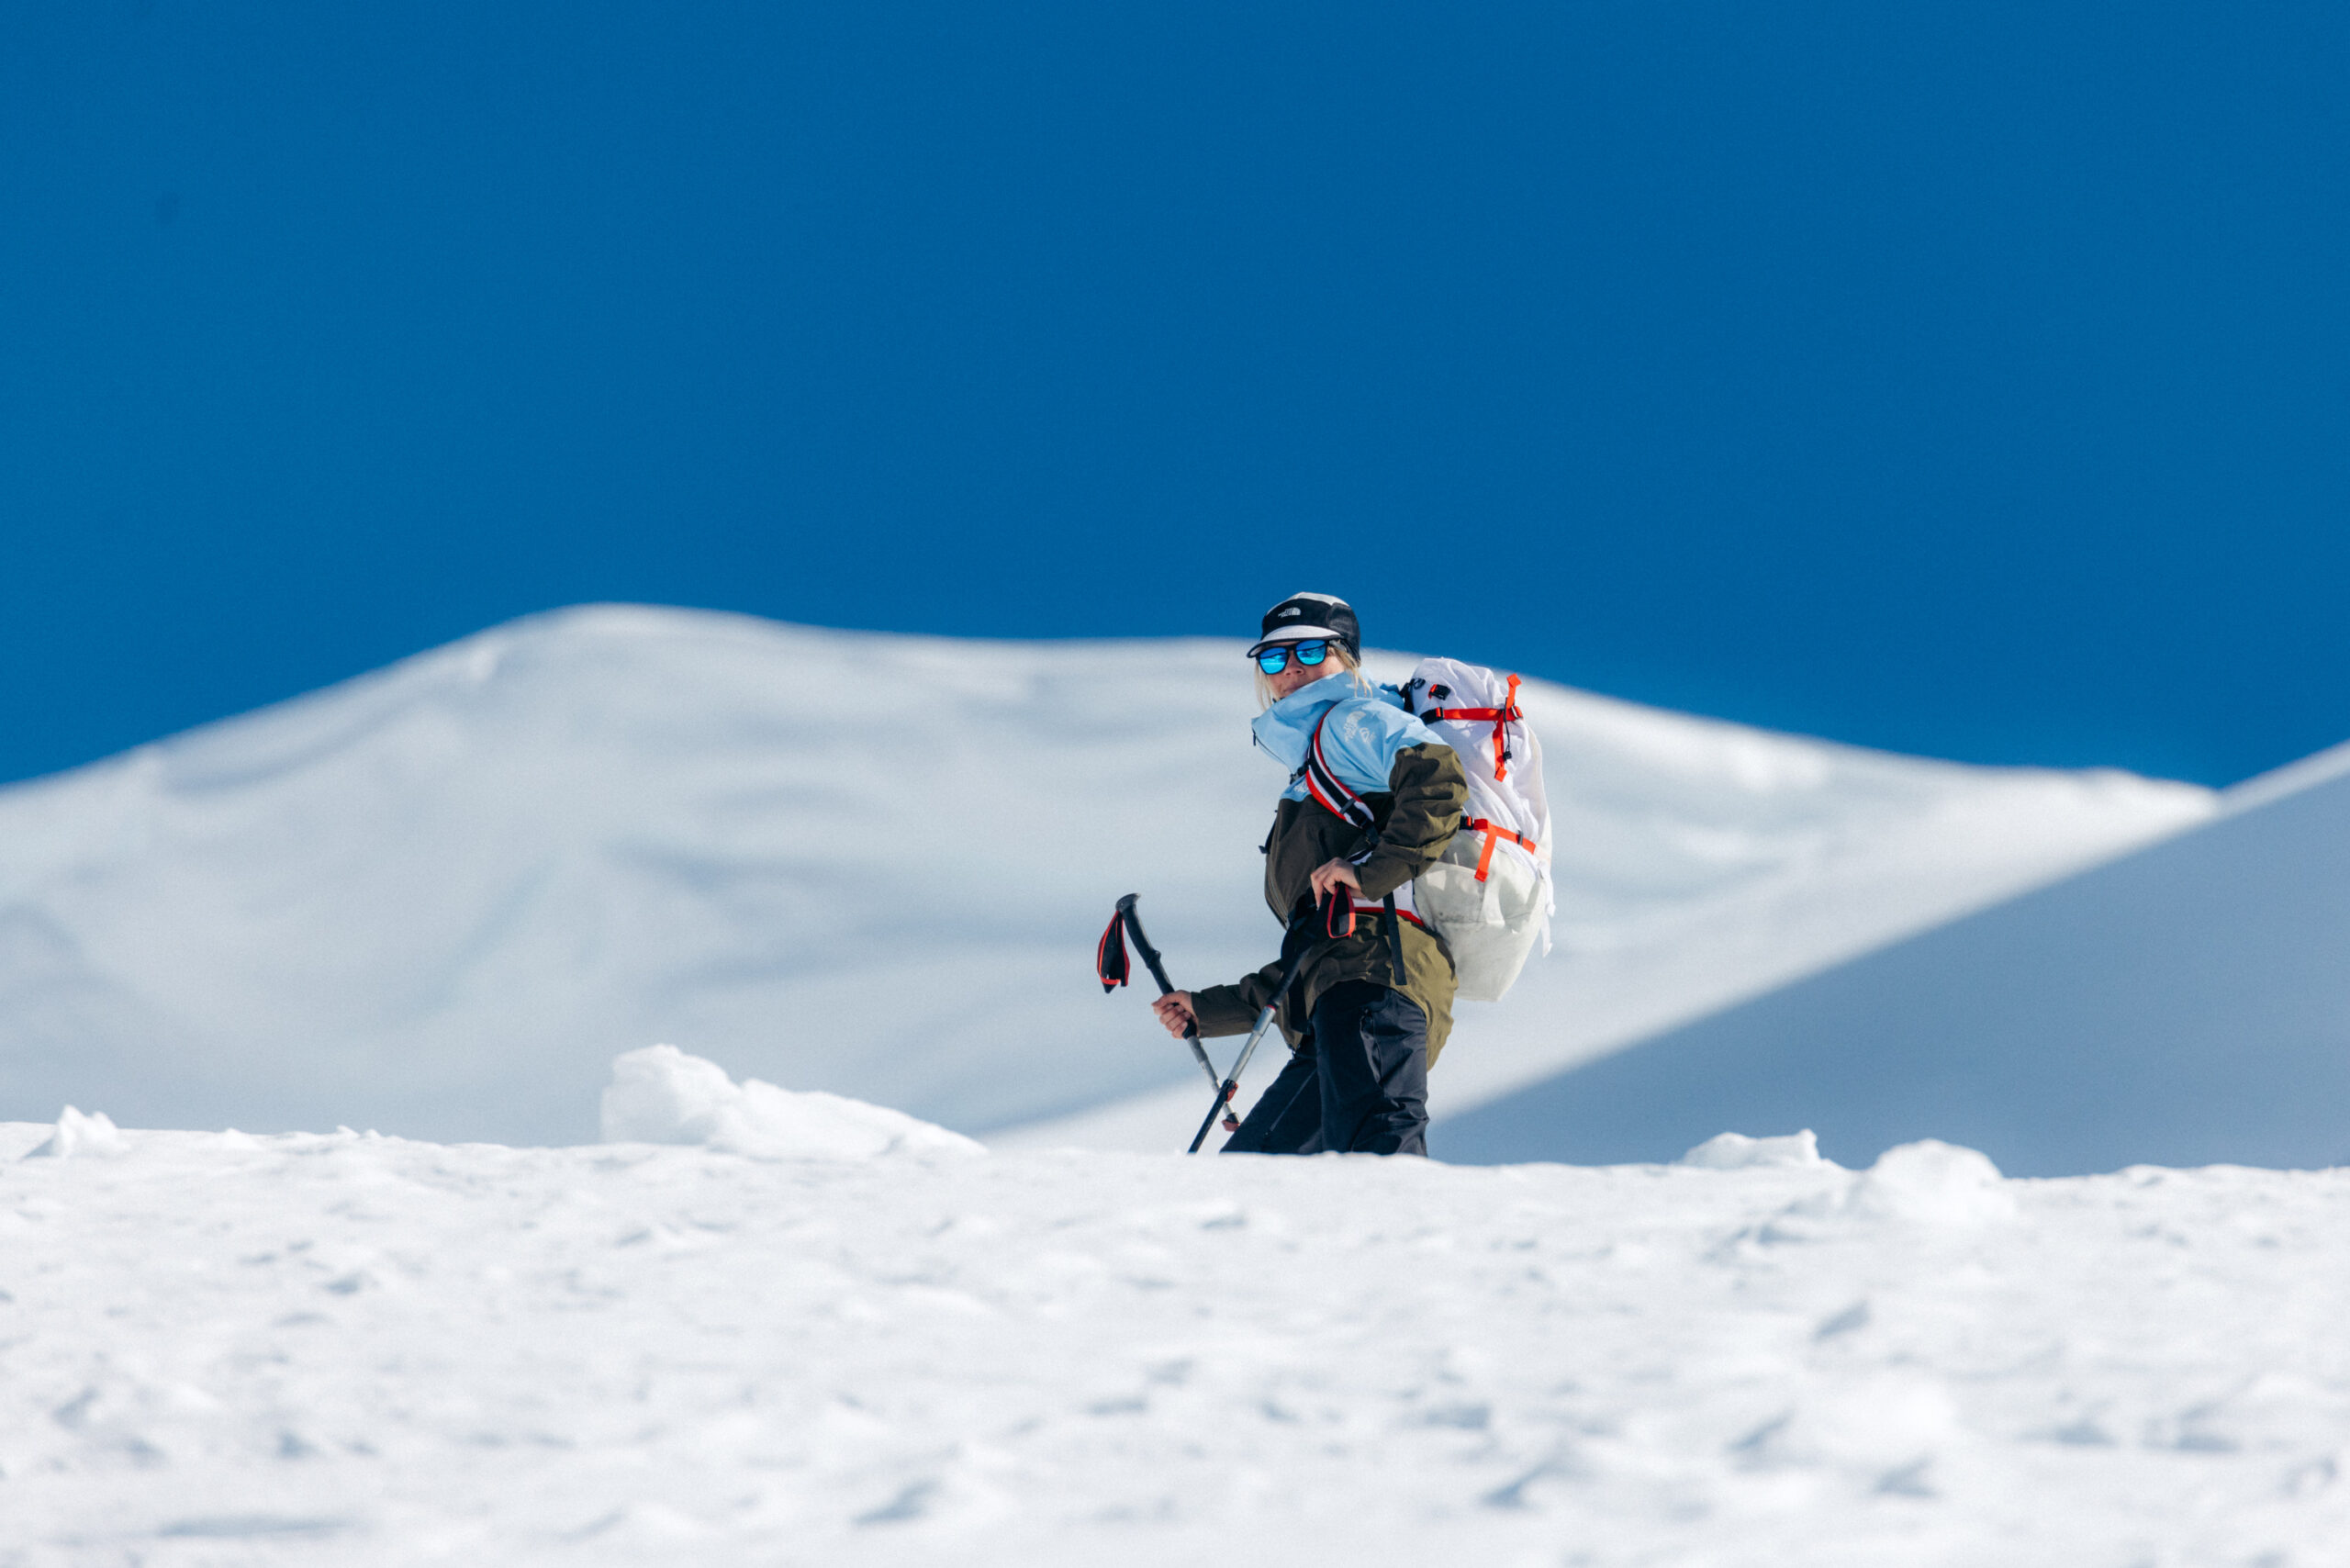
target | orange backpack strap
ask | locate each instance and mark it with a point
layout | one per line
(1493, 835)
(1501, 722)
(1501, 718)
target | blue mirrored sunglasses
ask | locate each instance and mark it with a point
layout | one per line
(1275, 659)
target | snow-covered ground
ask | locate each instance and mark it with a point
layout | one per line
(218, 1348)
(436, 901)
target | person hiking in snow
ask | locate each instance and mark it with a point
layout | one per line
(1362, 1029)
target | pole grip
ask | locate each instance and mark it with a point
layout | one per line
(1150, 959)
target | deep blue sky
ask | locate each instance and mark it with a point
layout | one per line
(1970, 378)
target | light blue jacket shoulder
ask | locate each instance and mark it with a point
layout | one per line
(1360, 739)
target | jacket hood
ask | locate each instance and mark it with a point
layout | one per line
(1286, 729)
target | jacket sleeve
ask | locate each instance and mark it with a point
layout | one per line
(1431, 795)
(1233, 1009)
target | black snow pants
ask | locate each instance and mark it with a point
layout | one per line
(1357, 1083)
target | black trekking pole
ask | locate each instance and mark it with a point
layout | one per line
(1133, 923)
(1231, 1085)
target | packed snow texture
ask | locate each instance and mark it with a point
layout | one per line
(354, 1350)
(2186, 1005)
(437, 900)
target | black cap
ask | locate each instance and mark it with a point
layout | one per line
(1301, 617)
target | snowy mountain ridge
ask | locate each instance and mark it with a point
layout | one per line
(437, 900)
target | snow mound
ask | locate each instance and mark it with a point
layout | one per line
(1932, 1183)
(1736, 1151)
(91, 1136)
(662, 1095)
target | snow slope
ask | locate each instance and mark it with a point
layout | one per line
(219, 1348)
(438, 900)
(2186, 1005)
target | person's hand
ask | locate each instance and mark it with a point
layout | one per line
(1174, 1011)
(1331, 874)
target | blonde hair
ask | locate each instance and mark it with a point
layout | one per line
(1338, 655)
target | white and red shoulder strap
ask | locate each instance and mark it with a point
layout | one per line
(1330, 791)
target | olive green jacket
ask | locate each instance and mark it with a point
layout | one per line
(1416, 815)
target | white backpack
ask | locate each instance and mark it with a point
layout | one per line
(1489, 894)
